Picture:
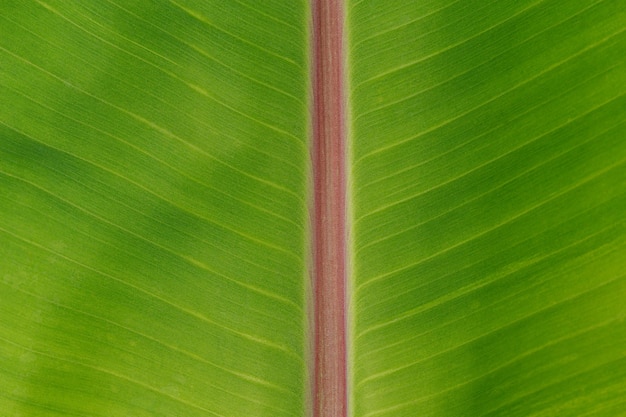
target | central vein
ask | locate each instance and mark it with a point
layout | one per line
(329, 212)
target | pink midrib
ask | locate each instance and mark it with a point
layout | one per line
(329, 388)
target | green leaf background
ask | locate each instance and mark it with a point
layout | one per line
(155, 186)
(489, 173)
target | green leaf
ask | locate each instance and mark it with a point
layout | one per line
(489, 180)
(154, 207)
(153, 172)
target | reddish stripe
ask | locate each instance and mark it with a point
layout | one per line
(329, 221)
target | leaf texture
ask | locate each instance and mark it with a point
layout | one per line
(153, 172)
(154, 208)
(488, 184)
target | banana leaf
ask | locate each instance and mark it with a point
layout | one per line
(155, 194)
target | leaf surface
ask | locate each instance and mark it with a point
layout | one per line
(488, 161)
(155, 196)
(153, 174)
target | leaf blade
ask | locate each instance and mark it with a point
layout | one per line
(506, 171)
(153, 177)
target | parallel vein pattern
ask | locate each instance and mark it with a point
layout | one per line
(153, 174)
(489, 187)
